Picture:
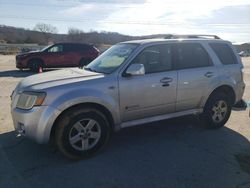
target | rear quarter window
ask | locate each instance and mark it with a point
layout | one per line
(224, 52)
(77, 47)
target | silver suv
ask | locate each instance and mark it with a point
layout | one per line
(132, 83)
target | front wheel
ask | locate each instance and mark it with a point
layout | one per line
(35, 65)
(80, 133)
(216, 111)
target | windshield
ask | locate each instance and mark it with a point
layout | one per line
(110, 60)
(45, 48)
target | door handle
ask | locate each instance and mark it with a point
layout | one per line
(166, 80)
(165, 84)
(209, 74)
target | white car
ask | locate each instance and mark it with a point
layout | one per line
(244, 54)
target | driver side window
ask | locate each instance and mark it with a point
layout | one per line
(56, 48)
(155, 58)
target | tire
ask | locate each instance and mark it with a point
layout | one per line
(81, 133)
(216, 111)
(35, 64)
(83, 62)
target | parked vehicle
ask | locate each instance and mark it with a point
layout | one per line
(132, 83)
(58, 55)
(244, 54)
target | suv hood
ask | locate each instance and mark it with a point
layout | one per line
(56, 78)
(28, 53)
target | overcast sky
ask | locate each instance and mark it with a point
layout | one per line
(229, 19)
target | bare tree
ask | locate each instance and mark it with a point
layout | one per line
(75, 35)
(73, 31)
(46, 29)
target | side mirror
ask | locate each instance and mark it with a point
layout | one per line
(135, 70)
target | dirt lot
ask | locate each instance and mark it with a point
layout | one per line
(176, 153)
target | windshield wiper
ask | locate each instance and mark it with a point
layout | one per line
(92, 70)
(89, 69)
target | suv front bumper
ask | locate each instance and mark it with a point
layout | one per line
(20, 65)
(35, 123)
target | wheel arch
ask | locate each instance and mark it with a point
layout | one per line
(83, 60)
(35, 59)
(227, 89)
(97, 106)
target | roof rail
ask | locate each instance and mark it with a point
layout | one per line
(170, 36)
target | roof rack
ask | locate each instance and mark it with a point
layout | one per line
(170, 36)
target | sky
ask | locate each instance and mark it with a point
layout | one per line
(229, 19)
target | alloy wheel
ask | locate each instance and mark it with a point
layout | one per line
(84, 134)
(219, 111)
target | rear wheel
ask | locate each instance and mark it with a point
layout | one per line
(80, 133)
(84, 62)
(217, 111)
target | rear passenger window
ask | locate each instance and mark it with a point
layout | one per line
(69, 47)
(76, 47)
(190, 55)
(224, 53)
(155, 58)
(84, 47)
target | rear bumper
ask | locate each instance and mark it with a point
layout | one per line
(240, 105)
(239, 91)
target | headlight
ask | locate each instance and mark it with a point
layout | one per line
(27, 100)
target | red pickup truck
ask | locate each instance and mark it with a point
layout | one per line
(58, 55)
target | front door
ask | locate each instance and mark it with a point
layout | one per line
(153, 93)
(55, 56)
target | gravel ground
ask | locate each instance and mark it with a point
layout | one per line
(175, 153)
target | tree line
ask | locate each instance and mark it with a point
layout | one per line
(44, 34)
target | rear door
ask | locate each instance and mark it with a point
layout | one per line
(195, 71)
(153, 93)
(71, 54)
(84, 54)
